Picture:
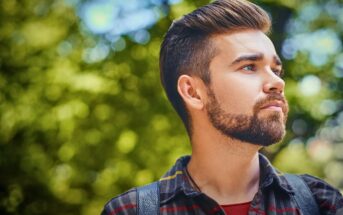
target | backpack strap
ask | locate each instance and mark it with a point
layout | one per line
(148, 199)
(303, 195)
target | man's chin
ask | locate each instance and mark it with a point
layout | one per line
(274, 131)
(272, 116)
(262, 137)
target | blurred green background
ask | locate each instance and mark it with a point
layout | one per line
(83, 116)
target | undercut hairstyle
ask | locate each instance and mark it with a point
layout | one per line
(187, 47)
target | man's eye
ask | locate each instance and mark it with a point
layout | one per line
(279, 72)
(249, 68)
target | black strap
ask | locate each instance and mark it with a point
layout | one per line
(303, 195)
(148, 199)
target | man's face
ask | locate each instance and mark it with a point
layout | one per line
(246, 94)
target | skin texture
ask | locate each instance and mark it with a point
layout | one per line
(241, 110)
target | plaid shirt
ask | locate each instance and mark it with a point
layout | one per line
(274, 196)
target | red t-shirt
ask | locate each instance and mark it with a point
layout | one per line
(237, 209)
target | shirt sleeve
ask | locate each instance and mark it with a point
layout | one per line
(328, 198)
(122, 204)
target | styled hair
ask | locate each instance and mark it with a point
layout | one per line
(187, 47)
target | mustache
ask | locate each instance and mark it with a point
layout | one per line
(272, 98)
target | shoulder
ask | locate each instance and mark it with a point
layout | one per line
(124, 203)
(328, 198)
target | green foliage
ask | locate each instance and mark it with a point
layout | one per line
(73, 133)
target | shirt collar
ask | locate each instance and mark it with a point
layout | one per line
(270, 176)
(175, 180)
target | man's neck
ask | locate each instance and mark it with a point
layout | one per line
(224, 169)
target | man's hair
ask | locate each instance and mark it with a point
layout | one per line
(187, 48)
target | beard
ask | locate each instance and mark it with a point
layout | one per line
(254, 129)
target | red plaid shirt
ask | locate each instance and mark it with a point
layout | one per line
(274, 196)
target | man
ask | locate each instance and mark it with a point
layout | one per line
(222, 75)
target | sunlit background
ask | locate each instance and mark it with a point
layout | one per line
(83, 116)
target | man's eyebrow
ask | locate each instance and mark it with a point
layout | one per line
(255, 57)
(250, 57)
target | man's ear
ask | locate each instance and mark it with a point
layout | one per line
(190, 89)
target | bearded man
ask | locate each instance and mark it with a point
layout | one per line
(223, 76)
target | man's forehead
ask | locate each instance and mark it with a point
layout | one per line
(247, 35)
(244, 42)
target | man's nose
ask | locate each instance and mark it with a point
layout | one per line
(273, 83)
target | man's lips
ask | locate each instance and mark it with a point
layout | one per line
(273, 105)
